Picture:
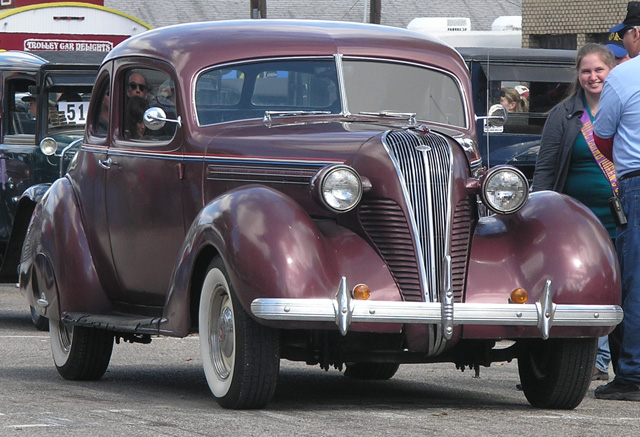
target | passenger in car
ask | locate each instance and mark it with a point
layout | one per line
(137, 86)
(512, 101)
(134, 125)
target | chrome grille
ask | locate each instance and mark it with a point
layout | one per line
(423, 163)
(386, 225)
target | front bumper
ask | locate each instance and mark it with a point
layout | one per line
(344, 310)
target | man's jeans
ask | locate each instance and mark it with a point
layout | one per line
(603, 358)
(628, 251)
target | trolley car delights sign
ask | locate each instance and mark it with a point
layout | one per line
(67, 45)
(88, 26)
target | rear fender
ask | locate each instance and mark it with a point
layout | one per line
(56, 257)
(272, 248)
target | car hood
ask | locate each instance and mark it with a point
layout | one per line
(339, 141)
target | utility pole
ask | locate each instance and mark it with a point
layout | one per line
(375, 9)
(258, 8)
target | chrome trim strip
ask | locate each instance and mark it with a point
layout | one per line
(344, 108)
(411, 218)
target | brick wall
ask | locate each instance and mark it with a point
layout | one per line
(569, 22)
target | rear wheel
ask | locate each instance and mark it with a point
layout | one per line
(79, 353)
(371, 371)
(241, 358)
(556, 373)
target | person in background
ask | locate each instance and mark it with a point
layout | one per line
(617, 135)
(609, 347)
(617, 47)
(30, 100)
(511, 100)
(567, 163)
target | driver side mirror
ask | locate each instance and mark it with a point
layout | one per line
(497, 116)
(155, 118)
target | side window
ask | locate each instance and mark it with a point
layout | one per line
(527, 102)
(22, 111)
(99, 126)
(145, 88)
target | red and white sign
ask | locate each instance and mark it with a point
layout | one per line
(65, 45)
(33, 25)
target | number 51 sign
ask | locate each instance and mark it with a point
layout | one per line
(74, 112)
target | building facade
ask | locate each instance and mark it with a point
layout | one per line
(569, 24)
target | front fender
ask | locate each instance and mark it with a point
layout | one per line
(56, 257)
(272, 248)
(554, 237)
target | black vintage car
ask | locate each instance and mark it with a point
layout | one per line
(539, 77)
(45, 98)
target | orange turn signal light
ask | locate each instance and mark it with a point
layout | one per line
(519, 295)
(361, 292)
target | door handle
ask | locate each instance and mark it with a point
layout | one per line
(106, 164)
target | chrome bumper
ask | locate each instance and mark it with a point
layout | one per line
(344, 310)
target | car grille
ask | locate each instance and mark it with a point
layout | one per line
(416, 259)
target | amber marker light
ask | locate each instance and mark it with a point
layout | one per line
(519, 295)
(361, 292)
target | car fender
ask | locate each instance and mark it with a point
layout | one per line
(552, 238)
(24, 209)
(56, 256)
(272, 248)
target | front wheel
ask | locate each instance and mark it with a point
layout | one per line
(556, 373)
(80, 354)
(241, 358)
(40, 322)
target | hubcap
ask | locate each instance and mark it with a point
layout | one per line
(222, 334)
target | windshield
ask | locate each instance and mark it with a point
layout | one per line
(248, 90)
(377, 86)
(67, 107)
(311, 86)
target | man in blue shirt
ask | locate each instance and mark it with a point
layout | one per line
(617, 135)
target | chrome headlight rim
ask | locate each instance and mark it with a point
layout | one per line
(521, 180)
(48, 146)
(323, 193)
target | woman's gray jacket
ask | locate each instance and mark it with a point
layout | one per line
(558, 135)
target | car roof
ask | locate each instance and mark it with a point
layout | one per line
(219, 42)
(518, 55)
(18, 60)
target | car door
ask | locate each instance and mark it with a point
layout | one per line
(143, 189)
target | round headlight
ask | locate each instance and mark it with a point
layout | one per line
(340, 188)
(48, 146)
(505, 190)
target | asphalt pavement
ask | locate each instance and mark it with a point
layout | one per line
(159, 389)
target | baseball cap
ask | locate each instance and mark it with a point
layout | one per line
(615, 44)
(632, 19)
(522, 90)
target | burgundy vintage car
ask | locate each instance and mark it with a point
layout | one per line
(310, 191)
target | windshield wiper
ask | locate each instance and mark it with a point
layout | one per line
(409, 116)
(269, 114)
